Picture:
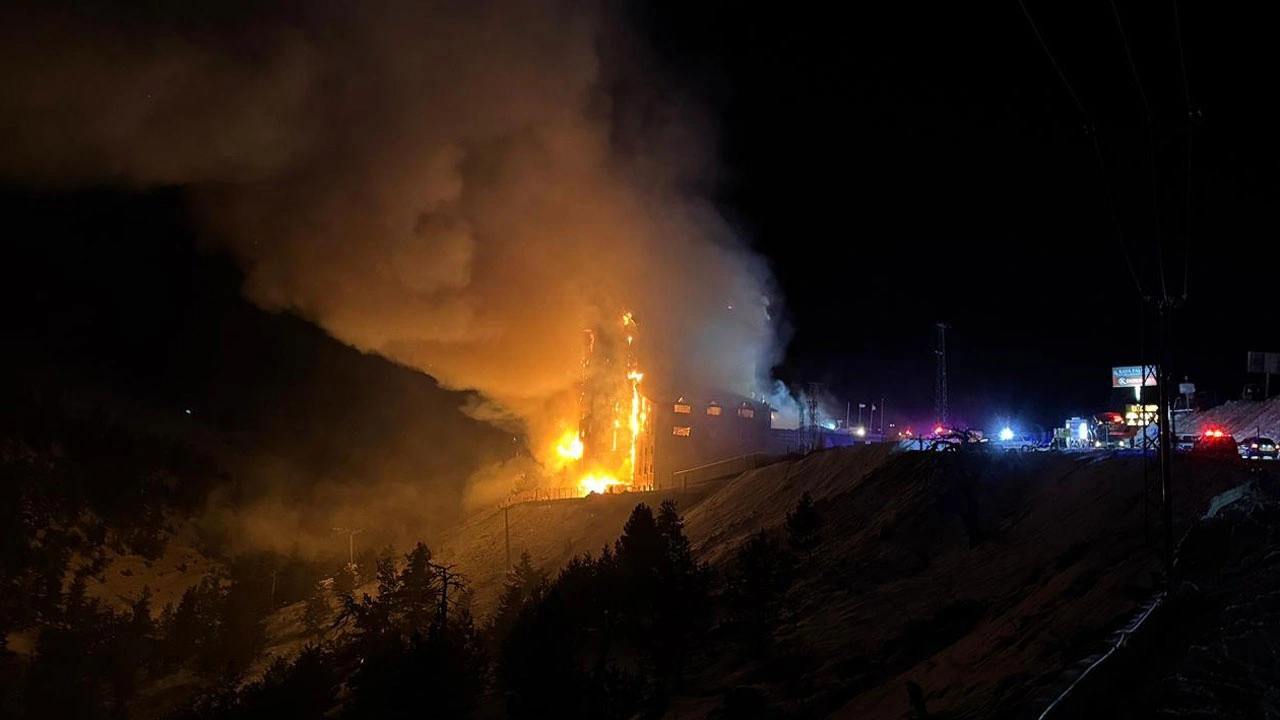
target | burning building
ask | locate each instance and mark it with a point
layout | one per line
(624, 440)
(612, 447)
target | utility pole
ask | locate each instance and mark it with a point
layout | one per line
(274, 573)
(1165, 308)
(940, 380)
(506, 530)
(882, 419)
(351, 545)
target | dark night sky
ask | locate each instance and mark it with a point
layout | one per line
(904, 166)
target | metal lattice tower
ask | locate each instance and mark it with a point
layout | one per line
(940, 381)
(814, 429)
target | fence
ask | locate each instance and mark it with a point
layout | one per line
(565, 493)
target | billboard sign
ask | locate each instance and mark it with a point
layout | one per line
(1264, 362)
(1133, 376)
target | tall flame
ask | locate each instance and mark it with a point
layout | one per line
(600, 467)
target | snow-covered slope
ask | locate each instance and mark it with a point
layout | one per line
(1241, 418)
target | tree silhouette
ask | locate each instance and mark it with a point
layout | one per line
(525, 586)
(640, 550)
(315, 614)
(682, 608)
(344, 582)
(417, 601)
(670, 527)
(388, 577)
(757, 580)
(804, 526)
(611, 637)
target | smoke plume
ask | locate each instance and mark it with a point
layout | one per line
(461, 187)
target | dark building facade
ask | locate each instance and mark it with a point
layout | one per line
(704, 427)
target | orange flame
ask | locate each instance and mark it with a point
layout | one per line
(629, 421)
(593, 483)
(570, 446)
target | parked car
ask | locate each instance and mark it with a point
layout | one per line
(1184, 442)
(1258, 448)
(1216, 443)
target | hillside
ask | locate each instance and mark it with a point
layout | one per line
(979, 578)
(718, 517)
(309, 428)
(1241, 418)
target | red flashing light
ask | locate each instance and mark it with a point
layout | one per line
(1213, 433)
(938, 430)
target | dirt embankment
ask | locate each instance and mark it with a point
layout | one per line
(1209, 649)
(980, 579)
(977, 578)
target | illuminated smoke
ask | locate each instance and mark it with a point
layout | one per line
(456, 186)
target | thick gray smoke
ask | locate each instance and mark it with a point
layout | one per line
(453, 185)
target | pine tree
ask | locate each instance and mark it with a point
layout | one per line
(141, 608)
(758, 579)
(390, 586)
(525, 587)
(682, 609)
(315, 614)
(184, 629)
(639, 550)
(670, 524)
(531, 581)
(344, 582)
(804, 526)
(418, 591)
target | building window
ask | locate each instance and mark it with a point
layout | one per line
(681, 430)
(713, 408)
(683, 407)
(746, 412)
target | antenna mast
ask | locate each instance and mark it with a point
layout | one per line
(940, 381)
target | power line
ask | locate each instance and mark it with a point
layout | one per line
(1151, 148)
(1056, 67)
(1115, 211)
(1191, 114)
(1092, 132)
